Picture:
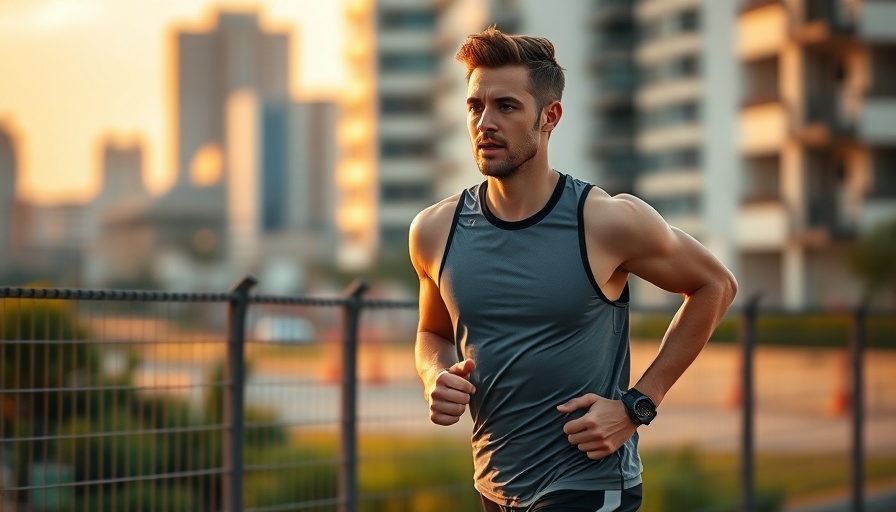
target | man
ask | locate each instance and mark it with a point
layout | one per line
(524, 301)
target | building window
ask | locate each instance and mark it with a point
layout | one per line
(676, 206)
(413, 62)
(408, 105)
(681, 22)
(405, 191)
(670, 115)
(689, 21)
(884, 185)
(673, 69)
(671, 160)
(394, 238)
(406, 148)
(420, 20)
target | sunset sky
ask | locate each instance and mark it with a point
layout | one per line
(74, 71)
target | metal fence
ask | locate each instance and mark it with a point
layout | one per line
(153, 401)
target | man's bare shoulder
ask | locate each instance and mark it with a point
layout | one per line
(429, 230)
(623, 217)
(436, 215)
(600, 204)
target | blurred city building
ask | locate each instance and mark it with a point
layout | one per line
(403, 131)
(817, 142)
(765, 129)
(762, 128)
(8, 169)
(35, 242)
(357, 175)
(254, 191)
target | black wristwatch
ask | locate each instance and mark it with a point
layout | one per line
(639, 406)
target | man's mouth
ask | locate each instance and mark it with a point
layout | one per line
(489, 144)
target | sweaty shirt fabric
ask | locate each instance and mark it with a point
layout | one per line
(527, 309)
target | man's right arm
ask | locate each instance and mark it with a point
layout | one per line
(446, 383)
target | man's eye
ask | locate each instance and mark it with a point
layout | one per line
(506, 106)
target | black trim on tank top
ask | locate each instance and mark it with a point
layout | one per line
(525, 223)
(457, 209)
(583, 251)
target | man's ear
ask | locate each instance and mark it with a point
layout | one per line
(551, 115)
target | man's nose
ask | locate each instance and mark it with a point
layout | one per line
(486, 121)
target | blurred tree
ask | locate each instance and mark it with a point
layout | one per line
(873, 259)
(39, 349)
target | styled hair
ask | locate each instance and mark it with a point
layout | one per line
(492, 48)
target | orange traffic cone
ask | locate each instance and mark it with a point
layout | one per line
(840, 401)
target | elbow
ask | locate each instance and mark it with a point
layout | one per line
(729, 288)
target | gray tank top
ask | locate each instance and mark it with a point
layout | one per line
(526, 308)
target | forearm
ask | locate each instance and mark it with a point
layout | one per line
(686, 336)
(432, 354)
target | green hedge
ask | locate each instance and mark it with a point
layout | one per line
(785, 329)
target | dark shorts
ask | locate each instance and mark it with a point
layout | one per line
(628, 500)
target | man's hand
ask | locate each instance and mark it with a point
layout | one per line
(450, 393)
(602, 430)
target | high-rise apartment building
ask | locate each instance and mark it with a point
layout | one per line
(357, 174)
(211, 65)
(637, 108)
(407, 60)
(817, 142)
(402, 133)
(255, 167)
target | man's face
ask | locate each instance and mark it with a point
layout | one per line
(502, 119)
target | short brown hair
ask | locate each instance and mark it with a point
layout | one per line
(492, 48)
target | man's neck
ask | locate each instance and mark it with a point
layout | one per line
(522, 195)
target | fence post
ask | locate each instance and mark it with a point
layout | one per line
(234, 384)
(747, 342)
(348, 471)
(856, 352)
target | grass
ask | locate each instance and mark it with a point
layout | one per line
(679, 479)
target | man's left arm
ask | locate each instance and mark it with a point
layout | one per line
(708, 289)
(674, 261)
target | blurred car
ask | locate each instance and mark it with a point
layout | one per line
(283, 329)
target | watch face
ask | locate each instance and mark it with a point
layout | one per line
(643, 409)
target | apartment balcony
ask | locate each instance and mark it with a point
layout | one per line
(407, 82)
(676, 182)
(669, 92)
(397, 126)
(825, 22)
(669, 138)
(825, 123)
(827, 220)
(763, 224)
(763, 128)
(401, 169)
(762, 30)
(663, 49)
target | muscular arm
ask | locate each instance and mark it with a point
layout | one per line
(434, 350)
(643, 244)
(672, 260)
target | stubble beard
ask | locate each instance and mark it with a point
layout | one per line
(507, 167)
